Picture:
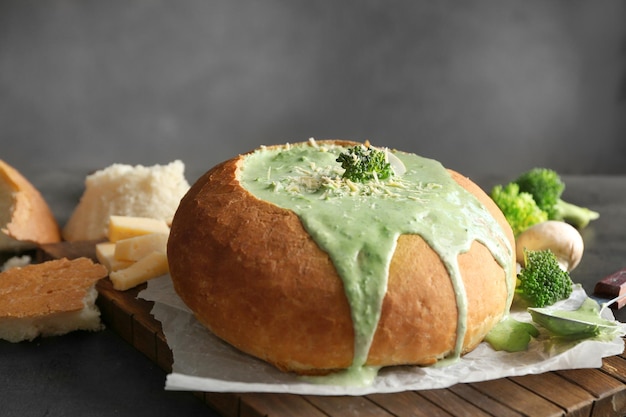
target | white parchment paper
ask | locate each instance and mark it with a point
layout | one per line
(202, 362)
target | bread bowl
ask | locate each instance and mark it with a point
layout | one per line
(25, 217)
(259, 274)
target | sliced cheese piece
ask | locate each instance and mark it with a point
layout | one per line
(124, 227)
(150, 266)
(135, 248)
(105, 253)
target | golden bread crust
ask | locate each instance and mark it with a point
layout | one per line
(256, 279)
(47, 288)
(31, 217)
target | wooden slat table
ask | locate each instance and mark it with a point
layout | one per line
(587, 392)
(577, 393)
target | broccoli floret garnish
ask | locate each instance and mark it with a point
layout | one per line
(520, 209)
(538, 190)
(546, 187)
(542, 282)
(364, 163)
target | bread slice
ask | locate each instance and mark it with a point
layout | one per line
(25, 217)
(126, 190)
(50, 298)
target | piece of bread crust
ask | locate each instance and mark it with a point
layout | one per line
(256, 279)
(50, 298)
(25, 217)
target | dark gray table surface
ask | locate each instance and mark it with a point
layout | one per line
(99, 374)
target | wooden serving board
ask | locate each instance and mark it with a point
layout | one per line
(579, 392)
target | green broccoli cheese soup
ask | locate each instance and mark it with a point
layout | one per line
(358, 225)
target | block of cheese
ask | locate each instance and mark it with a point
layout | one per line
(50, 298)
(150, 266)
(135, 248)
(105, 253)
(124, 227)
(125, 190)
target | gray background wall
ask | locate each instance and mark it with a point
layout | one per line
(487, 87)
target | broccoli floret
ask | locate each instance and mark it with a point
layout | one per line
(546, 187)
(542, 282)
(520, 209)
(364, 163)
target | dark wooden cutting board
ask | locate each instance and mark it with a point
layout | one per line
(579, 392)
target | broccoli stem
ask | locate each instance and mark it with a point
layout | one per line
(577, 216)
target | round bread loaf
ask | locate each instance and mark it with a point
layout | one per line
(253, 274)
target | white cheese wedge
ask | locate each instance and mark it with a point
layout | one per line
(124, 227)
(150, 266)
(135, 248)
(105, 253)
